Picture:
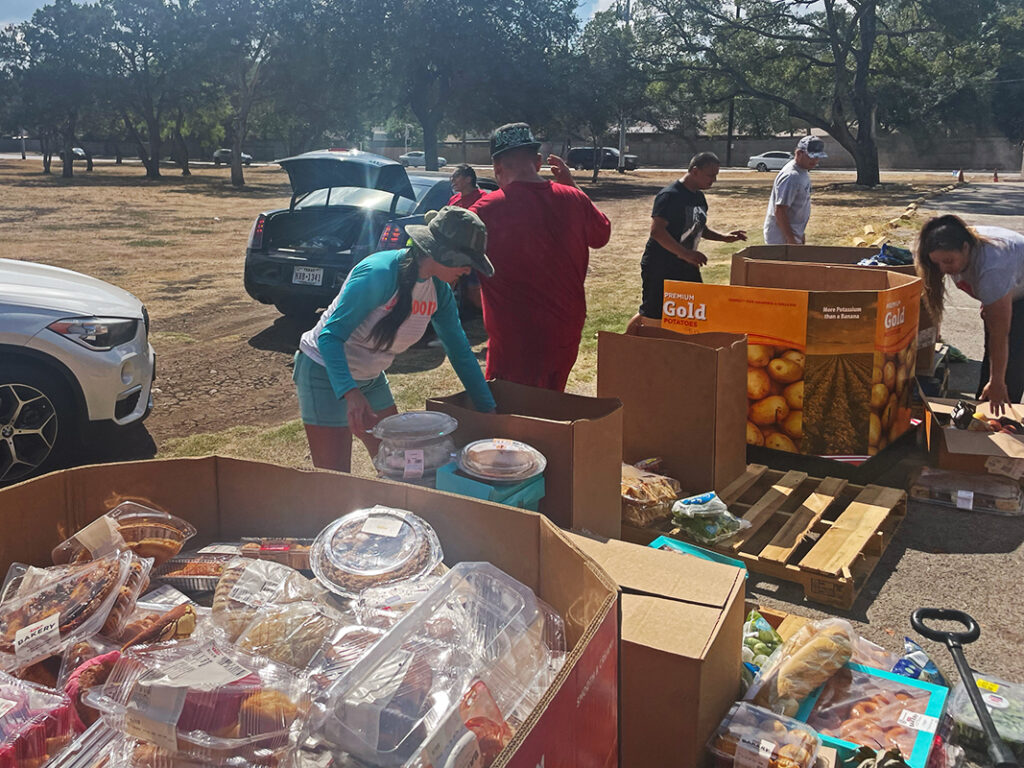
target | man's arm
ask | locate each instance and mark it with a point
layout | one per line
(660, 235)
(732, 237)
(561, 171)
(782, 220)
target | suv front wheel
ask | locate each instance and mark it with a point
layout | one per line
(36, 424)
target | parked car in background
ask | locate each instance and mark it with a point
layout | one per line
(223, 155)
(298, 257)
(77, 153)
(418, 159)
(75, 354)
(582, 159)
(770, 161)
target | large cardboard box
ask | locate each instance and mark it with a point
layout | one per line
(577, 722)
(581, 437)
(831, 350)
(681, 639)
(968, 451)
(927, 330)
(684, 399)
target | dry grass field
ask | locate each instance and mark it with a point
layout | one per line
(224, 375)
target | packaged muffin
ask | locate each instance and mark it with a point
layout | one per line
(35, 723)
(206, 700)
(751, 736)
(498, 460)
(373, 547)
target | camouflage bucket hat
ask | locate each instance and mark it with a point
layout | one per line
(454, 237)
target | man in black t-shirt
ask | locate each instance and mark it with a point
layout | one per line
(678, 222)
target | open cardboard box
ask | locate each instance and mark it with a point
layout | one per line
(581, 438)
(681, 639)
(928, 330)
(969, 451)
(577, 722)
(831, 350)
(684, 400)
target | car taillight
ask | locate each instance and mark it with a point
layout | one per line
(256, 237)
(391, 237)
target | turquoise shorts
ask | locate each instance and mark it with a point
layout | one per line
(318, 404)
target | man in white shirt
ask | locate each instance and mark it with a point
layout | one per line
(789, 206)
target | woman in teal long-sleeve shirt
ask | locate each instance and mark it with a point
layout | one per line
(383, 309)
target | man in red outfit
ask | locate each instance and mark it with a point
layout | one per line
(539, 236)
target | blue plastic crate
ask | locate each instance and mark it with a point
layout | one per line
(524, 495)
(664, 542)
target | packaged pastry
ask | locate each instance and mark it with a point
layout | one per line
(373, 547)
(499, 460)
(752, 736)
(290, 634)
(414, 445)
(287, 551)
(135, 584)
(383, 606)
(178, 623)
(86, 676)
(247, 587)
(196, 571)
(647, 497)
(403, 698)
(962, 490)
(91, 749)
(807, 659)
(148, 532)
(35, 723)
(44, 617)
(1005, 703)
(208, 701)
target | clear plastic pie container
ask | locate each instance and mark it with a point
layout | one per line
(373, 547)
(146, 531)
(206, 700)
(501, 460)
(414, 444)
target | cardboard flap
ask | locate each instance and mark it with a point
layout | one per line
(671, 575)
(791, 275)
(974, 443)
(677, 628)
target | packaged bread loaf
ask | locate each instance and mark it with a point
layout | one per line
(809, 658)
(646, 497)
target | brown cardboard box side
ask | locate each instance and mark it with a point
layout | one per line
(684, 400)
(813, 277)
(229, 498)
(581, 437)
(965, 450)
(681, 639)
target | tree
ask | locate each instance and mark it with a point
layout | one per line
(477, 59)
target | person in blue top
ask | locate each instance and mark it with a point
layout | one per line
(383, 309)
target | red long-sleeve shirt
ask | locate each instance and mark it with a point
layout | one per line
(539, 237)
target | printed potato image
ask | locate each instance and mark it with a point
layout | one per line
(758, 355)
(770, 410)
(779, 442)
(889, 374)
(876, 371)
(759, 385)
(795, 355)
(754, 436)
(793, 425)
(879, 396)
(785, 371)
(794, 395)
(892, 378)
(874, 430)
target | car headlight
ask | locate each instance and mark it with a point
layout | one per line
(98, 333)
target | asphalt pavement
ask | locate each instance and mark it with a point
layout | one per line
(944, 558)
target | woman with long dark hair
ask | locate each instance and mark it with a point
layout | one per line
(383, 309)
(988, 264)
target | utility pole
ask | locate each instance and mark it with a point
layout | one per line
(622, 116)
(732, 116)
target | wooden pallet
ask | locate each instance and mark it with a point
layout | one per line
(824, 534)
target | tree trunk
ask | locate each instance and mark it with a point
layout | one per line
(180, 148)
(46, 149)
(429, 125)
(68, 139)
(598, 157)
(88, 160)
(155, 147)
(237, 177)
(117, 154)
(866, 157)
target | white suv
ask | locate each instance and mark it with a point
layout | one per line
(74, 353)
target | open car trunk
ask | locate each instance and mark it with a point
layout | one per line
(324, 231)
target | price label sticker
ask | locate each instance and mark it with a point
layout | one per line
(965, 499)
(255, 585)
(753, 753)
(205, 669)
(383, 525)
(918, 722)
(100, 536)
(165, 595)
(163, 735)
(985, 685)
(995, 701)
(31, 640)
(220, 549)
(413, 464)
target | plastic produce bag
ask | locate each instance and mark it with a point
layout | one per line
(706, 519)
(810, 657)
(1005, 703)
(759, 639)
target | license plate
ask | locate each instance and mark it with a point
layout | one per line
(307, 275)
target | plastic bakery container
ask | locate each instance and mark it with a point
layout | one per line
(752, 736)
(373, 547)
(148, 532)
(35, 723)
(414, 445)
(498, 460)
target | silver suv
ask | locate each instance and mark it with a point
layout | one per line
(74, 354)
